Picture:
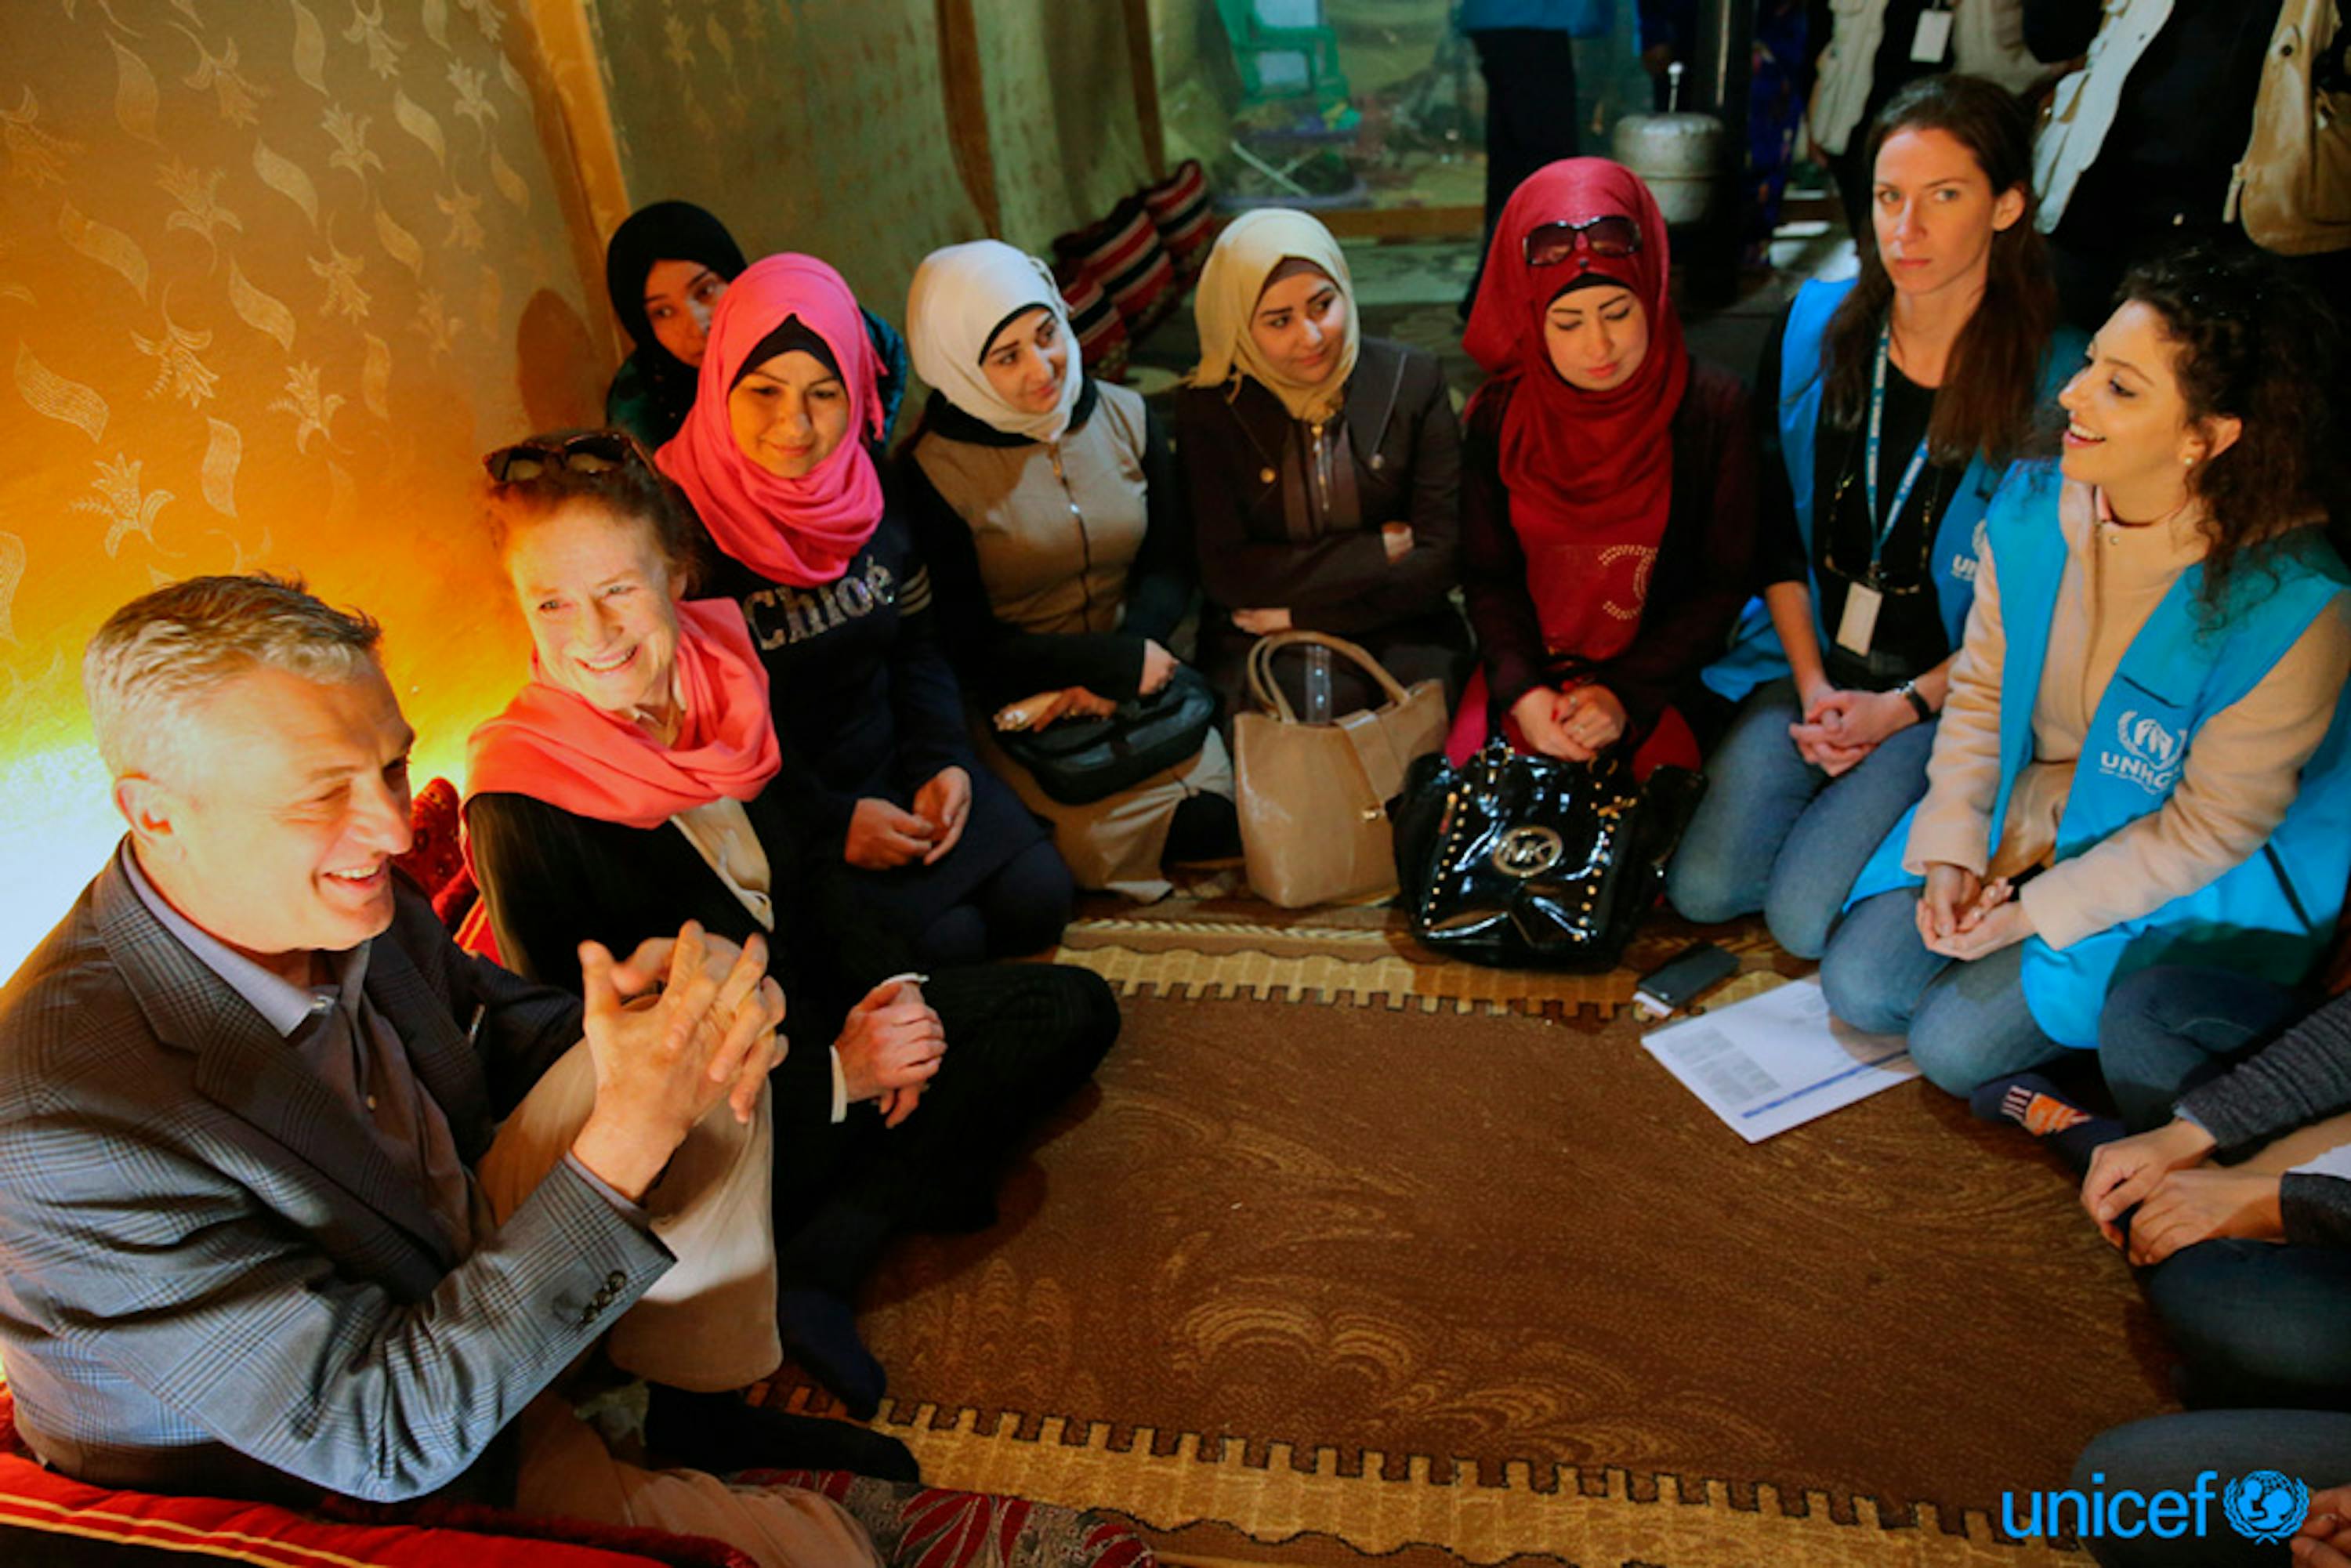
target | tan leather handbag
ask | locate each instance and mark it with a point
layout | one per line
(1313, 797)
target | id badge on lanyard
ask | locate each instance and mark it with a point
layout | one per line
(1932, 41)
(1857, 626)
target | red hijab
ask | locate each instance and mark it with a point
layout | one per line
(1586, 471)
(554, 745)
(801, 531)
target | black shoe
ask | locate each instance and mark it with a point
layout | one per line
(721, 1434)
(820, 1332)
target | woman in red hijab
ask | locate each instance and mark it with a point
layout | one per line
(1608, 495)
(875, 758)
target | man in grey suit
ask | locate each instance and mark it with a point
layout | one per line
(247, 1086)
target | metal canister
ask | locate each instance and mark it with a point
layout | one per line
(1678, 154)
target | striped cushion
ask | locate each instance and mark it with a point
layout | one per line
(1102, 335)
(1125, 252)
(55, 1520)
(48, 1519)
(1179, 209)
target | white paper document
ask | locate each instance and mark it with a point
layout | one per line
(1777, 1061)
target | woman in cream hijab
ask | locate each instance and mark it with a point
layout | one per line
(1324, 468)
(1050, 512)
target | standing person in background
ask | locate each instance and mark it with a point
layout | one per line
(1608, 482)
(666, 268)
(876, 757)
(1526, 52)
(1776, 101)
(1668, 35)
(2145, 142)
(1877, 47)
(1051, 512)
(1325, 470)
(1893, 403)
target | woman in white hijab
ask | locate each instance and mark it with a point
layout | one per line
(1324, 468)
(1048, 508)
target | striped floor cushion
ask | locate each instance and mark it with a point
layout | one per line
(1125, 252)
(1180, 211)
(1101, 334)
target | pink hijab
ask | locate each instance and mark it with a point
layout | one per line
(554, 745)
(802, 531)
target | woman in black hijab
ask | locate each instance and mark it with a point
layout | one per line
(666, 268)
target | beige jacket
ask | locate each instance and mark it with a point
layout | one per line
(1987, 40)
(2241, 770)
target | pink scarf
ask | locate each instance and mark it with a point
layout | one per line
(555, 746)
(1590, 474)
(801, 531)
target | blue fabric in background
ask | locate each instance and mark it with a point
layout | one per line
(1578, 18)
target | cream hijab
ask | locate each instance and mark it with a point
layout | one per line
(961, 295)
(1245, 255)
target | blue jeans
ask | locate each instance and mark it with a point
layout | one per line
(1778, 834)
(2167, 1453)
(1967, 1019)
(2166, 1030)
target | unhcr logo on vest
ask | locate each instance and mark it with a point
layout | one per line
(2148, 751)
(1963, 564)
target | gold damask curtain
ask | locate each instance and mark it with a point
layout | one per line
(274, 273)
(271, 275)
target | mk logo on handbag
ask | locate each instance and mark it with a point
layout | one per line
(1529, 850)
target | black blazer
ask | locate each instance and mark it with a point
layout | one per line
(1407, 447)
(554, 880)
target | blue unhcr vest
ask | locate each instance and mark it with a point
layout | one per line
(1755, 655)
(2271, 915)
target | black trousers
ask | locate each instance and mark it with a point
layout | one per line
(1530, 111)
(1021, 1038)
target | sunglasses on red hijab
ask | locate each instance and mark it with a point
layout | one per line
(1616, 237)
(584, 452)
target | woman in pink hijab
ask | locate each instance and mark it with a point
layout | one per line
(876, 757)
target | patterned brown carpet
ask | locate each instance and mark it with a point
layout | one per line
(1446, 1268)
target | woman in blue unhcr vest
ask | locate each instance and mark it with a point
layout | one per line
(1899, 399)
(2143, 760)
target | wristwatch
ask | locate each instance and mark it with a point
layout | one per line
(1908, 690)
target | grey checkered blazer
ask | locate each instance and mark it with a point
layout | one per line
(211, 1277)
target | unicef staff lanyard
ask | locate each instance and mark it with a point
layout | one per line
(1857, 627)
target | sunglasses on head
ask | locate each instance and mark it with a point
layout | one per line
(588, 452)
(1548, 245)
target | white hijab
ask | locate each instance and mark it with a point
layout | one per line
(1245, 255)
(961, 295)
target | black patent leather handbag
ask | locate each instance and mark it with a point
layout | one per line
(1080, 760)
(1519, 862)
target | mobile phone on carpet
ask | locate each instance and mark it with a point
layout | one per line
(1676, 982)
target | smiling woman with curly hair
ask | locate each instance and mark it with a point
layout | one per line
(2142, 758)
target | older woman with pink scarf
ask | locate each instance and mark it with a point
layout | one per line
(876, 759)
(634, 783)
